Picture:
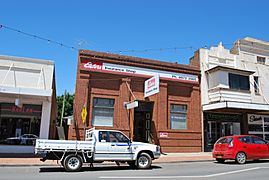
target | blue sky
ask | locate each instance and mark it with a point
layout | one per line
(120, 25)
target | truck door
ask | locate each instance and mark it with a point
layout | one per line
(102, 146)
(120, 147)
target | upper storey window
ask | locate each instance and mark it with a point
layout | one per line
(238, 82)
(260, 60)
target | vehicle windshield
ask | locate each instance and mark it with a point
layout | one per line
(224, 140)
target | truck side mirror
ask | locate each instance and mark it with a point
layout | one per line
(129, 142)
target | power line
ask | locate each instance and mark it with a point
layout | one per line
(156, 49)
(118, 51)
(38, 37)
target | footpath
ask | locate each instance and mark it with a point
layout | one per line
(9, 160)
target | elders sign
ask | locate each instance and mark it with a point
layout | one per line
(152, 86)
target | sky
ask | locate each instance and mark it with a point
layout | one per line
(126, 27)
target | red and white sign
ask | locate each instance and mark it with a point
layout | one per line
(163, 135)
(152, 86)
(131, 70)
(93, 65)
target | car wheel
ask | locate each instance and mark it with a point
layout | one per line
(219, 160)
(241, 158)
(72, 163)
(144, 161)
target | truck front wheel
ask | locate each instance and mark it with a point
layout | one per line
(72, 162)
(144, 161)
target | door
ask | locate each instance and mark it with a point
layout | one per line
(247, 146)
(261, 146)
(102, 146)
(213, 134)
(119, 146)
(142, 122)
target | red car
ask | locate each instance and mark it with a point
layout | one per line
(240, 148)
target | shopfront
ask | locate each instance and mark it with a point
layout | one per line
(258, 125)
(16, 122)
(27, 103)
(220, 124)
(112, 88)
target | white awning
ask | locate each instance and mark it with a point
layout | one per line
(26, 91)
(236, 105)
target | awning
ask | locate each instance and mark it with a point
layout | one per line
(236, 105)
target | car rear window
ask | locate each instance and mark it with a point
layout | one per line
(224, 141)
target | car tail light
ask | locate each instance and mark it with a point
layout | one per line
(231, 144)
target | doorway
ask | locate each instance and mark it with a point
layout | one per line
(216, 129)
(142, 121)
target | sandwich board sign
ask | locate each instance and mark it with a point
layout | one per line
(152, 86)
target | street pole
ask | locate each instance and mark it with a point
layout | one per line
(62, 115)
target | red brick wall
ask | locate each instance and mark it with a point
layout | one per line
(94, 84)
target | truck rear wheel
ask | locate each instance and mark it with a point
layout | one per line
(144, 161)
(72, 163)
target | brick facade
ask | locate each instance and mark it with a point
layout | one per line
(91, 84)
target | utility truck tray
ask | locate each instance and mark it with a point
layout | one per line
(48, 145)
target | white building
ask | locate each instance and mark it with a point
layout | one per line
(27, 102)
(234, 89)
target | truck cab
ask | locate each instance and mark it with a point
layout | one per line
(114, 145)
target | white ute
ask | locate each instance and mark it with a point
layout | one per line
(99, 146)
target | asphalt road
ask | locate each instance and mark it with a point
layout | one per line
(186, 170)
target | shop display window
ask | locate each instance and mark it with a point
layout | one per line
(258, 125)
(19, 125)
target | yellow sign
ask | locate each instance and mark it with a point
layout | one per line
(84, 114)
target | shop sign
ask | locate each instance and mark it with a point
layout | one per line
(131, 105)
(222, 117)
(254, 118)
(131, 70)
(152, 86)
(163, 135)
(26, 109)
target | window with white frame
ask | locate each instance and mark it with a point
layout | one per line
(103, 112)
(178, 116)
(260, 60)
(256, 84)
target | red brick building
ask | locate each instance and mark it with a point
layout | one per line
(171, 118)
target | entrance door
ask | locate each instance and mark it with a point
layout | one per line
(142, 121)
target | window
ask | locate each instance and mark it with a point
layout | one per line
(224, 141)
(103, 136)
(256, 84)
(245, 139)
(238, 82)
(117, 137)
(260, 60)
(258, 141)
(178, 116)
(103, 112)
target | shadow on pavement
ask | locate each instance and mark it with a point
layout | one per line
(232, 162)
(85, 169)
